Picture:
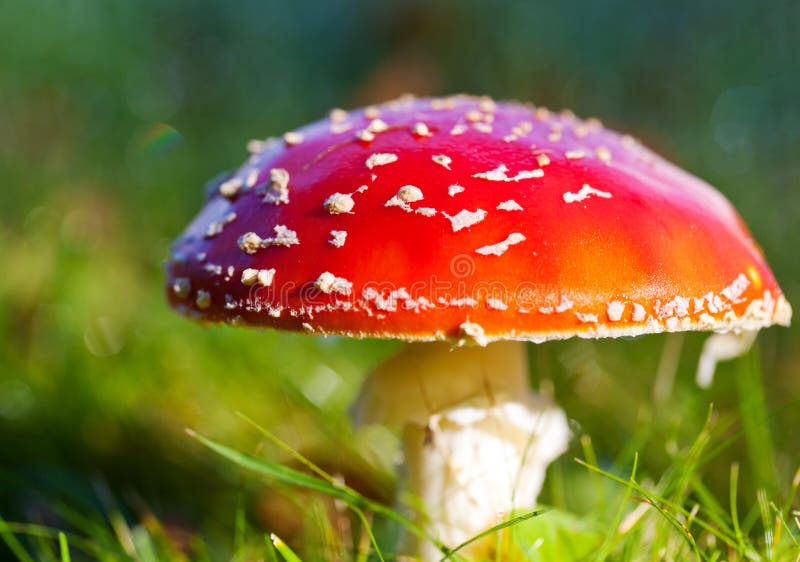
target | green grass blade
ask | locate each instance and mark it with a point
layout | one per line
(767, 523)
(734, 508)
(40, 531)
(779, 516)
(293, 477)
(13, 543)
(305, 461)
(285, 447)
(756, 421)
(279, 472)
(287, 553)
(609, 543)
(272, 554)
(143, 545)
(63, 547)
(656, 502)
(500, 526)
(368, 528)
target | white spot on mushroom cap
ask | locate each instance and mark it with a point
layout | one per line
(380, 159)
(575, 154)
(541, 114)
(337, 115)
(472, 332)
(338, 203)
(586, 317)
(501, 247)
(230, 188)
(603, 154)
(564, 304)
(181, 287)
(257, 146)
(585, 192)
(580, 130)
(365, 135)
(500, 174)
(249, 276)
(496, 304)
(734, 291)
(464, 302)
(426, 211)
(465, 219)
(421, 130)
(283, 237)
(614, 310)
(338, 238)
(487, 104)
(377, 126)
(443, 160)
(278, 190)
(594, 123)
(252, 178)
(678, 307)
(328, 283)
(639, 312)
(405, 195)
(203, 299)
(213, 269)
(542, 159)
(509, 205)
(473, 116)
(458, 129)
(454, 190)
(264, 277)
(251, 242)
(410, 193)
(293, 138)
(215, 228)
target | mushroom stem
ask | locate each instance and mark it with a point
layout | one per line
(477, 440)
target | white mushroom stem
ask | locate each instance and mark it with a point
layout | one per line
(722, 347)
(477, 440)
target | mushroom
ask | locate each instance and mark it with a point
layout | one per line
(559, 228)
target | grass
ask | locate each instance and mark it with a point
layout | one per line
(113, 117)
(636, 516)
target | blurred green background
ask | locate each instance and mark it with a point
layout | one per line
(114, 114)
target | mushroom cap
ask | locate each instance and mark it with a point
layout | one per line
(461, 218)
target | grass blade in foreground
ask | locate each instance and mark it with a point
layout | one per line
(63, 547)
(499, 527)
(287, 553)
(292, 477)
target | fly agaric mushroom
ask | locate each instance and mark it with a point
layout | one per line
(467, 222)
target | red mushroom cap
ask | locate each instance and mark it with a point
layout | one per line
(460, 217)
